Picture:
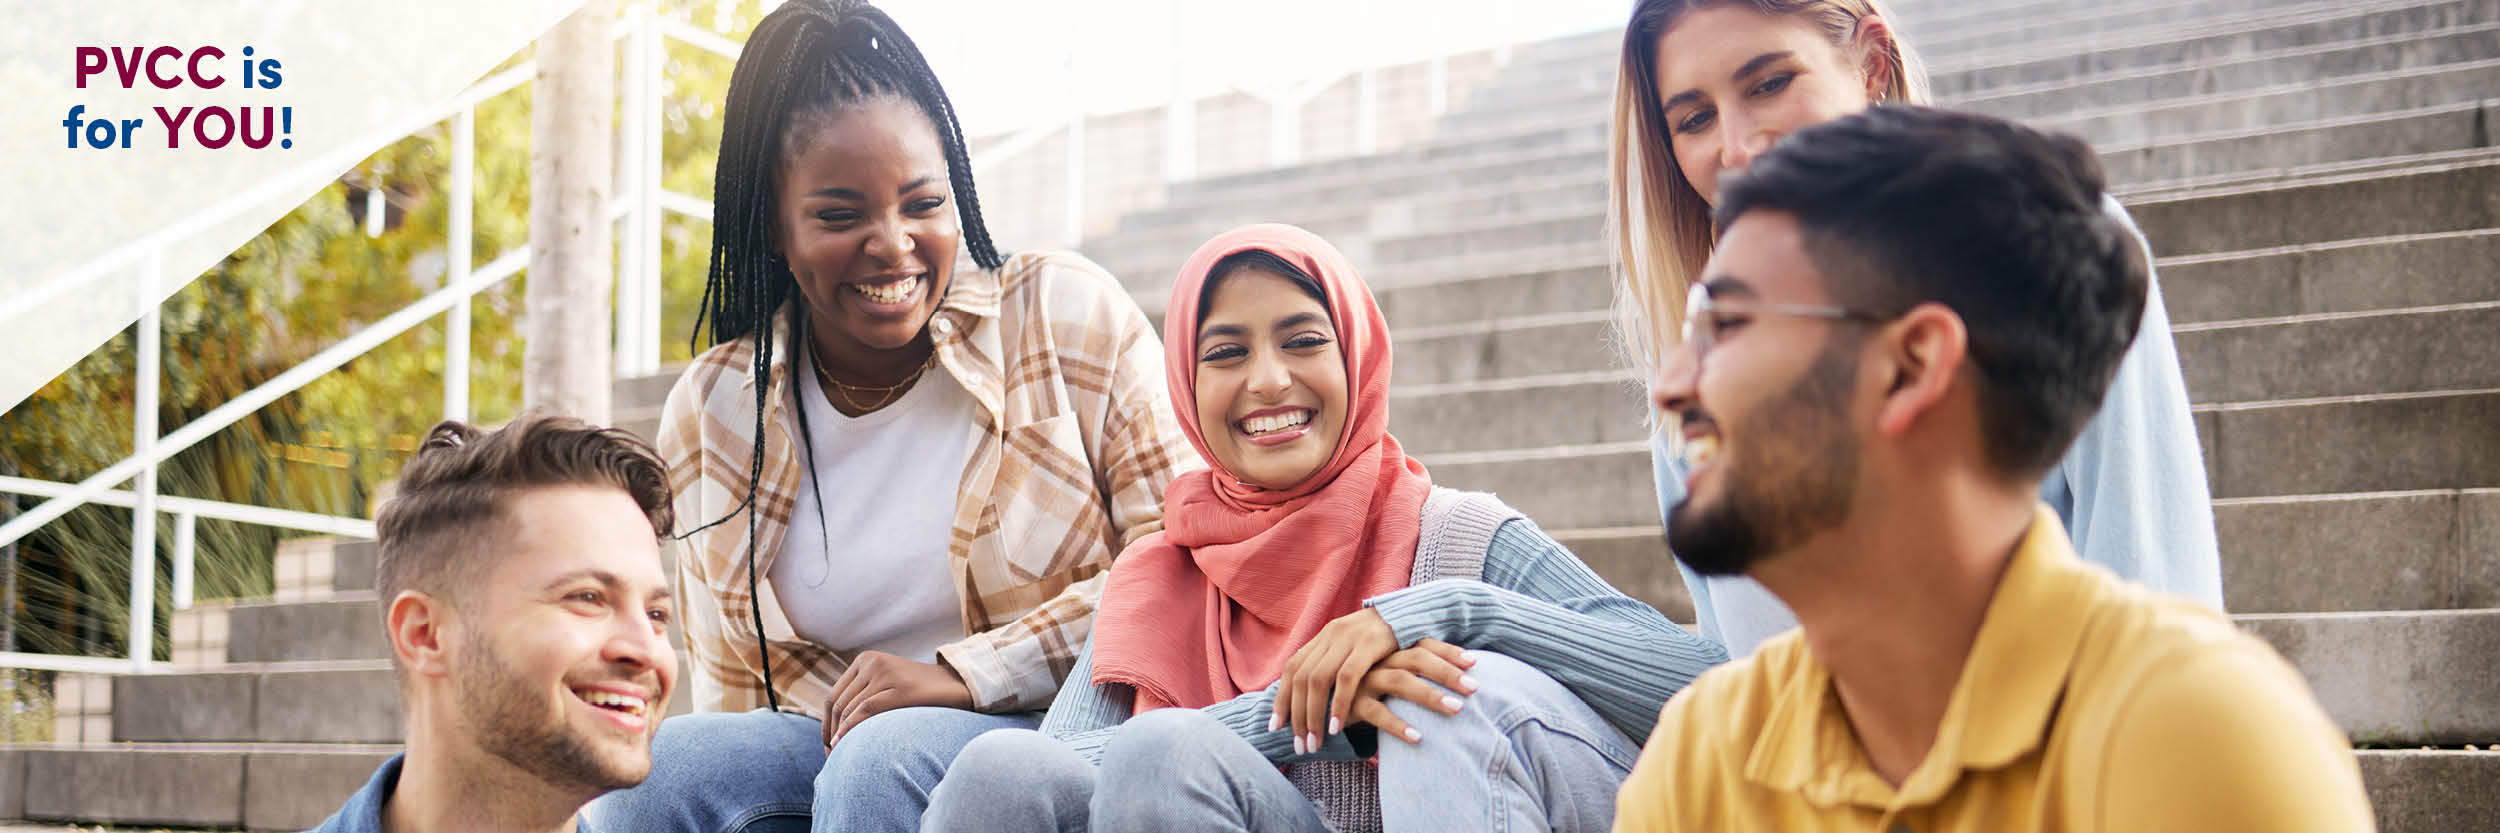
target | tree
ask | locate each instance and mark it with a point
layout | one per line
(565, 362)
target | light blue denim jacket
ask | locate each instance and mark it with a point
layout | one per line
(2131, 491)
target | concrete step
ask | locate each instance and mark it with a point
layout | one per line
(2304, 356)
(1560, 285)
(352, 564)
(2170, 82)
(641, 420)
(645, 390)
(1587, 467)
(2327, 22)
(1537, 142)
(2346, 201)
(344, 628)
(2402, 677)
(2420, 550)
(1983, 21)
(2445, 127)
(2373, 273)
(1588, 408)
(2396, 271)
(2335, 445)
(2432, 790)
(1956, 76)
(2330, 146)
(336, 702)
(2294, 103)
(2089, 25)
(1582, 487)
(1580, 224)
(2433, 197)
(2343, 354)
(1988, 40)
(2267, 53)
(1505, 348)
(2429, 550)
(222, 786)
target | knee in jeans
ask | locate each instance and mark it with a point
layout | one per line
(691, 746)
(885, 735)
(1014, 760)
(1152, 745)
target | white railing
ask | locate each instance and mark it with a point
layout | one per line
(641, 206)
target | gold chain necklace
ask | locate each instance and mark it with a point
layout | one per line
(844, 389)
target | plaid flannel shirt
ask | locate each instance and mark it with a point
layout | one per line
(1074, 442)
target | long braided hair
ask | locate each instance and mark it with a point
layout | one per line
(806, 61)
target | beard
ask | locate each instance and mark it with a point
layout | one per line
(506, 714)
(1793, 482)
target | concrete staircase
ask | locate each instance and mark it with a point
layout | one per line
(271, 712)
(2321, 186)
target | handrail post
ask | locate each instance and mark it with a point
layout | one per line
(148, 380)
(463, 208)
(654, 61)
(186, 538)
(638, 257)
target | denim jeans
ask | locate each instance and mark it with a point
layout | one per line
(1522, 754)
(764, 771)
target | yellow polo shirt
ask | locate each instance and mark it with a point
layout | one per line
(2087, 704)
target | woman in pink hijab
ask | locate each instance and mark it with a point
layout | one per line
(1320, 639)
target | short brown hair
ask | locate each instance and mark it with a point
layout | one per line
(457, 486)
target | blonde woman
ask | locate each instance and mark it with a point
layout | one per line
(1704, 87)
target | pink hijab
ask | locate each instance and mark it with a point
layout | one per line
(1240, 577)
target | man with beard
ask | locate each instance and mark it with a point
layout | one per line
(526, 607)
(1910, 315)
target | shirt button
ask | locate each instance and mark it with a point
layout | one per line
(942, 326)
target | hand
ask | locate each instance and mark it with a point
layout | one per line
(1319, 679)
(1411, 674)
(878, 681)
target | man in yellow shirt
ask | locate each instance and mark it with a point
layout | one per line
(1909, 316)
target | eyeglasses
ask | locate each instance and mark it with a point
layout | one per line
(1700, 333)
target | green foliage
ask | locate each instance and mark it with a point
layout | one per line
(310, 280)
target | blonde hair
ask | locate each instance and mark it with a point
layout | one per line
(1660, 225)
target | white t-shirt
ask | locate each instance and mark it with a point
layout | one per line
(889, 481)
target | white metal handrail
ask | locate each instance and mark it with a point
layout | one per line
(641, 205)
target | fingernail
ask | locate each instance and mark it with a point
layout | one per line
(1314, 741)
(1335, 726)
(1449, 702)
(1468, 682)
(1467, 657)
(1412, 735)
(1275, 721)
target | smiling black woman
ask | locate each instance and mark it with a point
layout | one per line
(903, 478)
